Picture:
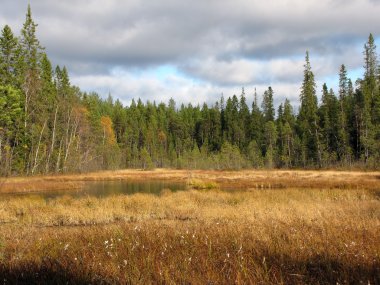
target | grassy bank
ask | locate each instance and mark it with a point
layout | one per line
(259, 236)
(255, 179)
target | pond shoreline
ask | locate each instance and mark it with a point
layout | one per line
(243, 179)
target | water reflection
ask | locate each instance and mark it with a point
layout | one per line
(108, 188)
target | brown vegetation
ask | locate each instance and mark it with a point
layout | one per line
(255, 179)
(257, 236)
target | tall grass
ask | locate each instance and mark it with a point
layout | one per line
(257, 236)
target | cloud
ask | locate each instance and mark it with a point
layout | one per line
(127, 86)
(245, 71)
(219, 45)
(149, 33)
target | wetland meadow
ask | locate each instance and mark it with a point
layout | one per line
(191, 227)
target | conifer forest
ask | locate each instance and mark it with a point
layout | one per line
(48, 125)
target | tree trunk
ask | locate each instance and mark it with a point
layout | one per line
(47, 167)
(1, 148)
(318, 145)
(69, 142)
(35, 164)
(59, 157)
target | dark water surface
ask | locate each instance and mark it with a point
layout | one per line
(109, 188)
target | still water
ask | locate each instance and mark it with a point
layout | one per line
(109, 188)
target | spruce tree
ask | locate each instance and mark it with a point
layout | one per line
(31, 55)
(288, 114)
(271, 138)
(344, 150)
(10, 117)
(47, 96)
(243, 120)
(215, 136)
(256, 123)
(308, 118)
(267, 105)
(8, 56)
(285, 125)
(370, 92)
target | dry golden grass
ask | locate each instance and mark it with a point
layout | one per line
(259, 179)
(252, 236)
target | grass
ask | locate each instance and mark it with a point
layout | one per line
(261, 179)
(202, 184)
(256, 235)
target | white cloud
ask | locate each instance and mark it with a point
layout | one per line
(245, 72)
(125, 86)
(218, 46)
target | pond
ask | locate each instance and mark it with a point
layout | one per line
(109, 188)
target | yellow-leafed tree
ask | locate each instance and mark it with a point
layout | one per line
(108, 132)
(110, 149)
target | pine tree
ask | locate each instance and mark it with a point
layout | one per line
(243, 120)
(285, 126)
(254, 154)
(31, 54)
(10, 117)
(47, 107)
(287, 151)
(344, 150)
(280, 128)
(215, 136)
(119, 121)
(47, 96)
(288, 115)
(369, 90)
(267, 105)
(233, 129)
(256, 123)
(328, 114)
(350, 115)
(308, 118)
(271, 138)
(223, 119)
(8, 56)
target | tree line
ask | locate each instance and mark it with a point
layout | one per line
(47, 125)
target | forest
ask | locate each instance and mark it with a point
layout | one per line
(47, 125)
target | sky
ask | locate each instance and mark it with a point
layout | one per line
(195, 51)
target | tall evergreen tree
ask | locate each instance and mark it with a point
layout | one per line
(256, 125)
(329, 112)
(8, 56)
(47, 96)
(308, 118)
(370, 92)
(271, 138)
(344, 150)
(285, 127)
(10, 117)
(31, 54)
(267, 105)
(233, 128)
(244, 119)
